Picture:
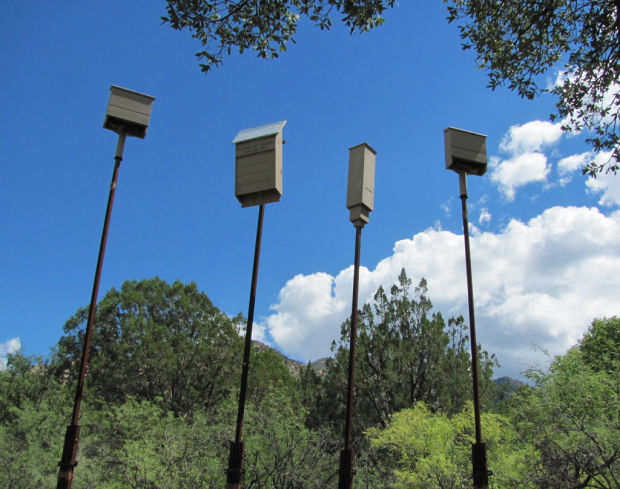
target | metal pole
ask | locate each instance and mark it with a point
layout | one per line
(345, 480)
(72, 435)
(479, 461)
(235, 460)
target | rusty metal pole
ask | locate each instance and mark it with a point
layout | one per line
(345, 480)
(479, 458)
(72, 435)
(235, 460)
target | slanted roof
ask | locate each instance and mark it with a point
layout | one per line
(259, 132)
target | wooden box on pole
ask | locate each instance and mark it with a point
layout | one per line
(361, 187)
(466, 151)
(258, 164)
(128, 112)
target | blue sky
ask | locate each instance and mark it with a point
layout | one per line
(545, 242)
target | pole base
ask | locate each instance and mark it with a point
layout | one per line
(479, 462)
(235, 470)
(345, 474)
(68, 461)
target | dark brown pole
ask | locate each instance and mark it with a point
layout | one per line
(345, 480)
(72, 435)
(479, 459)
(235, 460)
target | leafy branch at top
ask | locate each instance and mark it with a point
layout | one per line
(516, 41)
(266, 26)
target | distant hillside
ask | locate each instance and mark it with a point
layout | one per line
(293, 366)
(320, 365)
(508, 383)
(505, 385)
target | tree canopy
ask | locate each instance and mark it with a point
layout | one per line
(146, 425)
(433, 451)
(265, 26)
(572, 415)
(405, 354)
(516, 41)
(154, 340)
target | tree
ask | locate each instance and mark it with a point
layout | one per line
(516, 41)
(27, 381)
(30, 423)
(265, 26)
(267, 373)
(600, 345)
(433, 451)
(137, 445)
(281, 452)
(155, 340)
(405, 354)
(572, 415)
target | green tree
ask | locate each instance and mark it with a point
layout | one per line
(517, 41)
(265, 26)
(433, 451)
(134, 437)
(405, 354)
(281, 452)
(27, 381)
(152, 340)
(572, 414)
(32, 418)
(137, 445)
(268, 372)
(600, 345)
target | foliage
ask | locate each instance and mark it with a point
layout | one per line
(155, 340)
(600, 345)
(433, 451)
(30, 446)
(413, 382)
(572, 415)
(267, 373)
(281, 452)
(517, 41)
(26, 382)
(405, 354)
(138, 445)
(265, 26)
(32, 422)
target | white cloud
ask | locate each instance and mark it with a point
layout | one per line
(530, 137)
(606, 183)
(485, 216)
(519, 170)
(525, 163)
(536, 283)
(11, 346)
(574, 162)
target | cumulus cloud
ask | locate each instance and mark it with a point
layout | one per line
(11, 346)
(607, 184)
(536, 283)
(524, 163)
(574, 162)
(519, 170)
(530, 137)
